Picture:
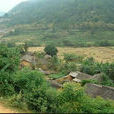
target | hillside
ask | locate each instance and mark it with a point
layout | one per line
(63, 22)
(63, 11)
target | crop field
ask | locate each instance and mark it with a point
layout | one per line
(100, 54)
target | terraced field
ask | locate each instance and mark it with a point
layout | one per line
(101, 54)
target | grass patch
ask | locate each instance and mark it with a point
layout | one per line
(56, 76)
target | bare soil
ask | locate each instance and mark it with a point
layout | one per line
(4, 109)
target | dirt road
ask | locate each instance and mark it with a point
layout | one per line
(4, 109)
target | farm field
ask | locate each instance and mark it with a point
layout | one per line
(100, 54)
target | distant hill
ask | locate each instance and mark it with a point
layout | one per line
(62, 12)
(78, 23)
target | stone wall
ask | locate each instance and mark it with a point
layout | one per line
(99, 90)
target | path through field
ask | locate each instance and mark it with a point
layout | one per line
(4, 109)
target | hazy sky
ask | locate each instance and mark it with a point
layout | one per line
(6, 5)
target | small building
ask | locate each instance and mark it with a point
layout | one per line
(79, 76)
(74, 76)
(28, 60)
(95, 90)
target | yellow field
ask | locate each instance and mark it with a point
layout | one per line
(104, 54)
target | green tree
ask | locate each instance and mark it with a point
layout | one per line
(51, 50)
(9, 59)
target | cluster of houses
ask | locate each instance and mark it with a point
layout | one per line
(93, 90)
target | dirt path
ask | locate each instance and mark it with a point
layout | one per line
(4, 109)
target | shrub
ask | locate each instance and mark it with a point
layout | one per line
(42, 100)
(6, 84)
(51, 50)
(69, 67)
(70, 96)
(72, 57)
(108, 69)
(54, 63)
(18, 101)
(40, 54)
(103, 43)
(9, 59)
(27, 80)
(55, 76)
(68, 43)
(73, 99)
(91, 67)
(107, 81)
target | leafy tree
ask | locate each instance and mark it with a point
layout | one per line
(9, 63)
(9, 59)
(51, 50)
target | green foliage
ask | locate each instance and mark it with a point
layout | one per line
(107, 81)
(97, 105)
(6, 84)
(73, 99)
(51, 50)
(25, 47)
(108, 69)
(54, 63)
(88, 81)
(9, 59)
(72, 92)
(64, 13)
(9, 63)
(91, 67)
(69, 67)
(28, 88)
(26, 80)
(75, 23)
(18, 101)
(40, 54)
(42, 100)
(72, 57)
(55, 76)
(103, 43)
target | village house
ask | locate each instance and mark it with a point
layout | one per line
(75, 77)
(28, 60)
(95, 90)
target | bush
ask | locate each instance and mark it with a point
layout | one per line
(72, 57)
(108, 69)
(69, 67)
(91, 67)
(103, 43)
(55, 76)
(42, 100)
(51, 50)
(27, 80)
(6, 84)
(107, 81)
(9, 59)
(9, 63)
(40, 54)
(18, 101)
(73, 99)
(54, 63)
(68, 43)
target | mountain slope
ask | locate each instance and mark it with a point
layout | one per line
(62, 11)
(78, 23)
